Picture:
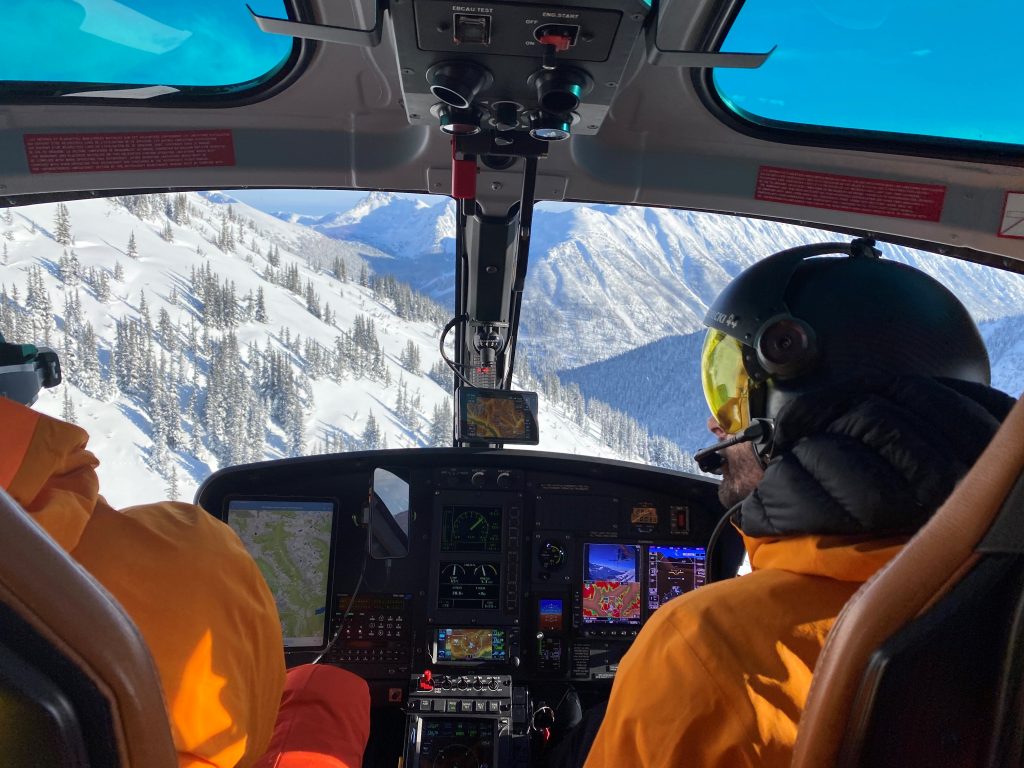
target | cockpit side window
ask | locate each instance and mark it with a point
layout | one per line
(140, 51)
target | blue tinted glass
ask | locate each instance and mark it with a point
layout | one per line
(943, 68)
(139, 42)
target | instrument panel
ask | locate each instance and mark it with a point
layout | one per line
(537, 565)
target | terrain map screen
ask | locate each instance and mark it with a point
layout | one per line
(471, 645)
(291, 543)
(611, 584)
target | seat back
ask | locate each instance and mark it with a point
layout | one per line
(77, 685)
(923, 665)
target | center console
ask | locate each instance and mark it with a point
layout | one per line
(463, 721)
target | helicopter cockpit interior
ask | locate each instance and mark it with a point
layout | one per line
(487, 594)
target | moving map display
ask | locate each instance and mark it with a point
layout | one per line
(471, 645)
(611, 584)
(291, 543)
(673, 571)
(498, 415)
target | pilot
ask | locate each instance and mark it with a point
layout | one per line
(850, 394)
(193, 591)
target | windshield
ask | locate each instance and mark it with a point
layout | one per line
(201, 330)
(943, 69)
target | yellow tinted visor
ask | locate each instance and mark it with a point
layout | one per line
(725, 380)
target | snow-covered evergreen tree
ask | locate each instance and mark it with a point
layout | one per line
(371, 437)
(261, 307)
(441, 425)
(62, 226)
(132, 251)
(68, 411)
(172, 484)
(40, 308)
(410, 357)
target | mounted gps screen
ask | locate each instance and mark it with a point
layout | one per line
(456, 645)
(497, 416)
(290, 540)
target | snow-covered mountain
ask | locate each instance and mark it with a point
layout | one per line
(605, 279)
(198, 332)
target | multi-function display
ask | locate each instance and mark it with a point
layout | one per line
(451, 742)
(611, 584)
(673, 571)
(470, 529)
(466, 644)
(468, 586)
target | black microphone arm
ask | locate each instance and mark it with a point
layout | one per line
(710, 460)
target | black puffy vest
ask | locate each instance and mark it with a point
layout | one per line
(873, 458)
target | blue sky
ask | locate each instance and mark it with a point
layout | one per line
(313, 202)
(152, 42)
(942, 68)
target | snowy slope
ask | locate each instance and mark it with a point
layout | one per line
(1005, 341)
(138, 460)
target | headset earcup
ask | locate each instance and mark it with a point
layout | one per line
(785, 347)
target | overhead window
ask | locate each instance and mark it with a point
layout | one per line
(139, 49)
(944, 69)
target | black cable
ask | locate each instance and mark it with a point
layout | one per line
(351, 601)
(715, 536)
(344, 617)
(451, 363)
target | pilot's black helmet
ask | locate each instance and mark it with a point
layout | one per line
(792, 323)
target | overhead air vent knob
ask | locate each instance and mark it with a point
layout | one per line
(458, 83)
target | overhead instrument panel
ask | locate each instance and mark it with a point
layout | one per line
(551, 69)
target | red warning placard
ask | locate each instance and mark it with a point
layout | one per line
(136, 151)
(857, 194)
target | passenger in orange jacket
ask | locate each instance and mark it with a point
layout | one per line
(844, 424)
(200, 602)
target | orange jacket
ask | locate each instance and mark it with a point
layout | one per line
(184, 578)
(719, 677)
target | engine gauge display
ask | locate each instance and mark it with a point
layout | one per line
(469, 586)
(471, 529)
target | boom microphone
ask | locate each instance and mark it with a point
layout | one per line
(710, 460)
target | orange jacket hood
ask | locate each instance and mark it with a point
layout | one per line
(46, 469)
(185, 579)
